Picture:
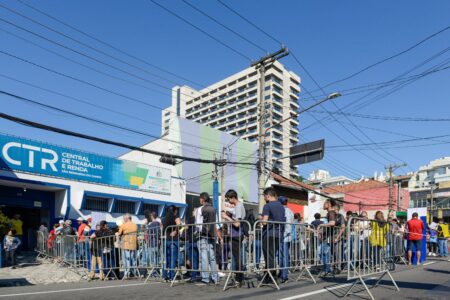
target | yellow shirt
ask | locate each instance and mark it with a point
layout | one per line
(378, 235)
(128, 233)
(17, 226)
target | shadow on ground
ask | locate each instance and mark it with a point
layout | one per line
(11, 282)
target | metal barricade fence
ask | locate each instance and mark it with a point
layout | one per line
(281, 248)
(331, 244)
(201, 251)
(368, 253)
(41, 244)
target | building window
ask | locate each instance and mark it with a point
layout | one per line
(96, 204)
(124, 207)
(147, 207)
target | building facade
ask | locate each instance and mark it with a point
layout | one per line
(323, 179)
(371, 196)
(45, 183)
(231, 105)
(430, 187)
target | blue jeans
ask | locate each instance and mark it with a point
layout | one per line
(129, 262)
(171, 259)
(325, 256)
(192, 255)
(108, 262)
(257, 252)
(208, 260)
(284, 260)
(443, 247)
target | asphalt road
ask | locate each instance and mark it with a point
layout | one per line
(430, 281)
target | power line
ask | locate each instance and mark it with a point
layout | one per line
(374, 86)
(381, 96)
(27, 100)
(201, 30)
(339, 109)
(225, 26)
(82, 64)
(390, 57)
(251, 23)
(90, 57)
(83, 44)
(92, 103)
(387, 118)
(390, 142)
(108, 45)
(81, 81)
(276, 40)
(114, 143)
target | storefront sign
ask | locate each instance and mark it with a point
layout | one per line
(20, 154)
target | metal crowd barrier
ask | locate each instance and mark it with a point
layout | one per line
(201, 251)
(371, 248)
(267, 251)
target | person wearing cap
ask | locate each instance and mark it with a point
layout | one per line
(59, 229)
(286, 240)
(69, 239)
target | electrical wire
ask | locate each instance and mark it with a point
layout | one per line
(390, 57)
(114, 143)
(201, 30)
(108, 44)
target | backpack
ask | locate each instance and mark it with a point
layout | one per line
(250, 218)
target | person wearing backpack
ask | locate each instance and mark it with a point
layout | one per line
(237, 234)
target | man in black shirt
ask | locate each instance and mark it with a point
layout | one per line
(207, 240)
(327, 236)
(272, 211)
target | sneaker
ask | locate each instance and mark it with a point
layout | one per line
(284, 280)
(221, 274)
(202, 283)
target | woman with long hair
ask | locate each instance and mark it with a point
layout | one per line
(380, 229)
(171, 229)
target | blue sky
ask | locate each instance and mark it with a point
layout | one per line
(332, 39)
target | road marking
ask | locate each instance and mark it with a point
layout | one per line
(322, 290)
(430, 263)
(74, 290)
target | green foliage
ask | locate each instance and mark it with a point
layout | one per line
(5, 224)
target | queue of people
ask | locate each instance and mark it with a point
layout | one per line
(203, 250)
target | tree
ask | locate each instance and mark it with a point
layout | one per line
(5, 224)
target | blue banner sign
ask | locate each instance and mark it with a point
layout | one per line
(30, 156)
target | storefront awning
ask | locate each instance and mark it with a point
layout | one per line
(295, 195)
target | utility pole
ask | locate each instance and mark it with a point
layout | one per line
(222, 181)
(216, 187)
(262, 65)
(432, 188)
(390, 170)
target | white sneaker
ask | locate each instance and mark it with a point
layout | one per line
(221, 274)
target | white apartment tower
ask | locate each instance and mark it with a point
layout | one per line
(231, 105)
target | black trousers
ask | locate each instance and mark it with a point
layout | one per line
(11, 257)
(270, 247)
(236, 248)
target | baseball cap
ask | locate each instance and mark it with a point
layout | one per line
(61, 221)
(283, 199)
(80, 219)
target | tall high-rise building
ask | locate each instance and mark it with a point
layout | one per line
(231, 105)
